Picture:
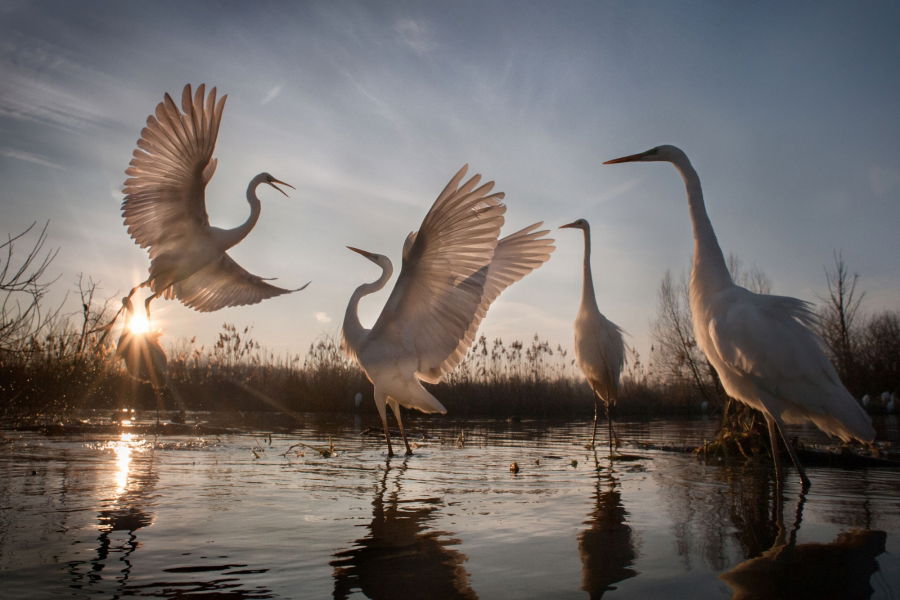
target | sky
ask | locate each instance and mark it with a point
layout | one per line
(789, 112)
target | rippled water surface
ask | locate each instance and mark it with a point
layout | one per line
(254, 515)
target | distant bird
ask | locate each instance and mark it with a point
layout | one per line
(599, 348)
(763, 347)
(144, 358)
(454, 267)
(165, 209)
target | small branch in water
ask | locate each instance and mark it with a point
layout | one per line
(325, 452)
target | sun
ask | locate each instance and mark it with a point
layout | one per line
(139, 323)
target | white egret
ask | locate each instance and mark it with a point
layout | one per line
(763, 347)
(139, 347)
(454, 267)
(165, 209)
(599, 348)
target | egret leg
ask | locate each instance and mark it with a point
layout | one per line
(126, 305)
(147, 302)
(613, 438)
(773, 442)
(779, 493)
(379, 404)
(790, 448)
(396, 408)
(596, 417)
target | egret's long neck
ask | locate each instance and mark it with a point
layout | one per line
(231, 237)
(587, 291)
(354, 332)
(709, 269)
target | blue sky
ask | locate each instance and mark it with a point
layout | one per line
(788, 111)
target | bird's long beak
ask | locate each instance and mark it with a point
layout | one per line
(629, 158)
(568, 225)
(368, 255)
(274, 181)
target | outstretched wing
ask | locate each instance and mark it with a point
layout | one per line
(768, 340)
(223, 283)
(516, 255)
(442, 280)
(164, 205)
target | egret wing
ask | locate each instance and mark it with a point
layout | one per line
(164, 204)
(516, 255)
(768, 339)
(224, 283)
(442, 279)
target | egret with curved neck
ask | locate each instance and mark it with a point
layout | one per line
(763, 347)
(454, 267)
(599, 348)
(165, 209)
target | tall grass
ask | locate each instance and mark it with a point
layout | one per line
(52, 364)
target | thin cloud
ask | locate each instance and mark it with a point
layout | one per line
(616, 191)
(323, 317)
(38, 85)
(272, 94)
(416, 35)
(31, 158)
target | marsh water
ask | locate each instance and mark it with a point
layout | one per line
(319, 511)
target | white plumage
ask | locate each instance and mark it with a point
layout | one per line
(762, 346)
(165, 209)
(454, 267)
(599, 348)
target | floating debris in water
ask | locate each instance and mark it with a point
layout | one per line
(513, 467)
(574, 462)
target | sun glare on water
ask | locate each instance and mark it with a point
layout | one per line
(139, 323)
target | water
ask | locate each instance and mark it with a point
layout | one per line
(235, 516)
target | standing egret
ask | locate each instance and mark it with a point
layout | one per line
(762, 346)
(142, 353)
(454, 267)
(599, 348)
(165, 209)
(145, 360)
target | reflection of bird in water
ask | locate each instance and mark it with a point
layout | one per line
(400, 557)
(763, 347)
(606, 547)
(840, 569)
(598, 342)
(126, 512)
(454, 267)
(165, 209)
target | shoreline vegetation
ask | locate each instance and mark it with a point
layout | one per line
(53, 364)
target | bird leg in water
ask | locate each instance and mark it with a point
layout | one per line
(379, 404)
(790, 448)
(612, 435)
(596, 416)
(776, 455)
(396, 408)
(613, 438)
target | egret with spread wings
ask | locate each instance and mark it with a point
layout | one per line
(165, 209)
(763, 347)
(454, 267)
(599, 347)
